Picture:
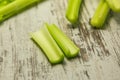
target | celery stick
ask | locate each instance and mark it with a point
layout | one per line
(68, 47)
(48, 45)
(3, 3)
(14, 7)
(114, 5)
(100, 14)
(72, 12)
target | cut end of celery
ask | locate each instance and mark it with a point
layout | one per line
(74, 53)
(71, 19)
(95, 24)
(57, 60)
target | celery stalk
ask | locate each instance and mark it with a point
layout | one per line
(72, 12)
(48, 45)
(68, 47)
(100, 14)
(114, 5)
(14, 7)
(3, 3)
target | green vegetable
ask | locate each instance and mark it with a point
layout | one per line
(51, 40)
(3, 3)
(48, 45)
(13, 7)
(100, 15)
(72, 12)
(67, 46)
(114, 5)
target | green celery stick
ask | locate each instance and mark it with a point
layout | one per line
(68, 47)
(48, 45)
(72, 12)
(114, 5)
(100, 14)
(14, 7)
(3, 3)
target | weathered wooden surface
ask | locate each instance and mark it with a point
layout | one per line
(21, 59)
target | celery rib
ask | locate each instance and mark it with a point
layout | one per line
(14, 7)
(48, 45)
(67, 46)
(114, 5)
(72, 12)
(3, 3)
(100, 14)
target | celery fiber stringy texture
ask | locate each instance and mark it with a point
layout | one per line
(10, 7)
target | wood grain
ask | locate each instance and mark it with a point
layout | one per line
(99, 57)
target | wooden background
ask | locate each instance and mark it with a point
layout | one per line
(99, 57)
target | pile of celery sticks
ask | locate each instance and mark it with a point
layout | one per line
(50, 38)
(10, 7)
(100, 15)
(54, 43)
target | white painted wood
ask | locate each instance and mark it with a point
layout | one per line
(21, 59)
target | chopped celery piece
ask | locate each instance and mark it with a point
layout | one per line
(72, 12)
(114, 5)
(100, 14)
(68, 47)
(13, 7)
(3, 3)
(48, 45)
